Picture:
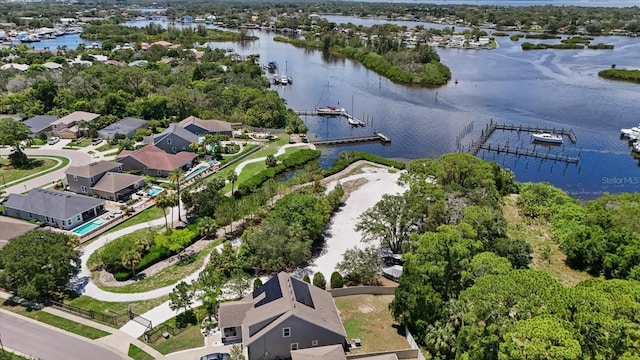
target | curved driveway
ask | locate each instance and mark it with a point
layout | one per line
(76, 157)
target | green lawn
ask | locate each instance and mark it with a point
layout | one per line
(6, 355)
(83, 142)
(138, 354)
(189, 338)
(38, 164)
(116, 308)
(168, 276)
(53, 320)
(107, 146)
(149, 214)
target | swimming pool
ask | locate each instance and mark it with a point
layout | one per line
(88, 227)
(155, 190)
(197, 171)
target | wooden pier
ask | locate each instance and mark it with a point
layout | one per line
(352, 120)
(491, 127)
(377, 136)
(529, 153)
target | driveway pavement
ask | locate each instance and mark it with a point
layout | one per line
(42, 342)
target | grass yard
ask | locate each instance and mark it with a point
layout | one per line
(367, 317)
(189, 338)
(106, 147)
(115, 308)
(149, 214)
(7, 355)
(170, 275)
(138, 354)
(53, 320)
(83, 142)
(540, 238)
(37, 165)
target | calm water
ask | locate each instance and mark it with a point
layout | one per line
(558, 89)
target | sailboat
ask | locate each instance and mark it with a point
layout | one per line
(331, 110)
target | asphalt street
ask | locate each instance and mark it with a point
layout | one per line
(47, 344)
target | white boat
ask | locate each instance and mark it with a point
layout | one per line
(628, 132)
(546, 137)
(331, 110)
(284, 80)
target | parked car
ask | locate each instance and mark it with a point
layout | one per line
(96, 141)
(216, 356)
(53, 140)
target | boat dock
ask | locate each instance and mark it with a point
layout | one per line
(352, 120)
(377, 136)
(491, 127)
(529, 153)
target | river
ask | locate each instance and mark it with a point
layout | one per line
(550, 88)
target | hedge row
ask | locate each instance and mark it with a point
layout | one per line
(291, 161)
(343, 161)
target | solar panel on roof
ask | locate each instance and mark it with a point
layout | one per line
(301, 291)
(271, 290)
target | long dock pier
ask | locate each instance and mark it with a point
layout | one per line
(492, 127)
(377, 136)
(529, 153)
(352, 119)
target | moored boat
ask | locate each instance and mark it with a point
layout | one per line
(547, 137)
(330, 110)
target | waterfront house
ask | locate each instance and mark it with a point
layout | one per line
(283, 315)
(40, 124)
(201, 127)
(126, 127)
(173, 140)
(72, 125)
(104, 179)
(153, 161)
(61, 209)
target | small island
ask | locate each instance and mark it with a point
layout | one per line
(620, 74)
(571, 43)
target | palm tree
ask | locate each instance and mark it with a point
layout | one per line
(207, 226)
(289, 131)
(232, 177)
(130, 260)
(164, 202)
(176, 176)
(195, 147)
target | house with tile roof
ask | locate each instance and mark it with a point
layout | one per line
(201, 127)
(127, 127)
(153, 161)
(72, 125)
(61, 209)
(283, 315)
(173, 140)
(104, 179)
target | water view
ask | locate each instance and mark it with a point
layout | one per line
(548, 88)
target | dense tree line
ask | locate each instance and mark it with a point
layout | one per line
(217, 87)
(601, 236)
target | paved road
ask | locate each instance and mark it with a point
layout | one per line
(77, 157)
(44, 343)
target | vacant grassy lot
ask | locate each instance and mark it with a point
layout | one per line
(9, 174)
(53, 320)
(116, 309)
(540, 237)
(189, 337)
(367, 317)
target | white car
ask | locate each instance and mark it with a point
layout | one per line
(53, 140)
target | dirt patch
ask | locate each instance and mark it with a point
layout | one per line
(367, 317)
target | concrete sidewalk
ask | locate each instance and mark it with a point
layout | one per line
(117, 340)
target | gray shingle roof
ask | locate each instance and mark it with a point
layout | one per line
(92, 169)
(178, 131)
(52, 203)
(113, 182)
(333, 352)
(76, 117)
(209, 125)
(123, 127)
(40, 122)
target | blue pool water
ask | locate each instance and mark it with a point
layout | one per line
(155, 191)
(197, 171)
(88, 227)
